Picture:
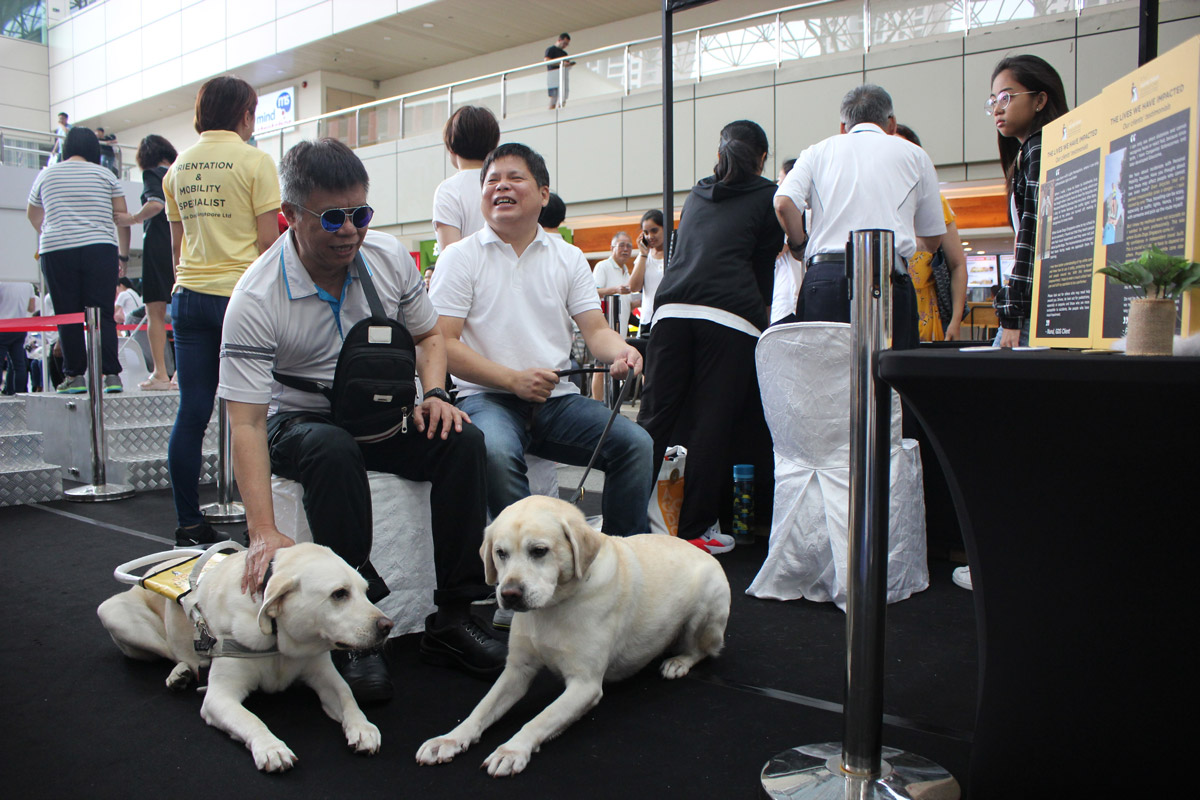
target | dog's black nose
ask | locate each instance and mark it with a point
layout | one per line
(383, 625)
(512, 595)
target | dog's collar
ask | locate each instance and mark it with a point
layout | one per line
(218, 646)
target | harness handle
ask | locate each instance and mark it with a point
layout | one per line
(198, 569)
(124, 572)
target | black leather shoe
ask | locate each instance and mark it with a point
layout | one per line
(199, 536)
(467, 644)
(367, 673)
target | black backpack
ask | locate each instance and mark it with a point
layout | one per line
(374, 386)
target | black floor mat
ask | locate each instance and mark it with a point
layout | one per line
(80, 719)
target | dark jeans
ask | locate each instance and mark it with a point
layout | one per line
(702, 391)
(564, 429)
(332, 468)
(81, 277)
(12, 357)
(197, 320)
(825, 297)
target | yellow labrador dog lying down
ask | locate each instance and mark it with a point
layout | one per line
(313, 603)
(595, 608)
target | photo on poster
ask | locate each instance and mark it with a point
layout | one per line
(1045, 223)
(1113, 208)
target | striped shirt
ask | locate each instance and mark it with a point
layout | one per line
(77, 198)
(1013, 300)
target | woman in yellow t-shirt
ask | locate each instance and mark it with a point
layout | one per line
(931, 327)
(222, 198)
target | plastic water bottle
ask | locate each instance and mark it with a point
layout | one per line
(743, 503)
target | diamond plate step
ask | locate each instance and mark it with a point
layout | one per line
(137, 427)
(150, 472)
(22, 449)
(32, 484)
(12, 414)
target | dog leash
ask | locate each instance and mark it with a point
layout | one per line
(604, 434)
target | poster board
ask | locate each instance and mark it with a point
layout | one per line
(1065, 247)
(1130, 157)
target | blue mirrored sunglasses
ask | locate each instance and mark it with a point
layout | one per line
(333, 219)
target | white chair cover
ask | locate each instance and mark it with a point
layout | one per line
(804, 378)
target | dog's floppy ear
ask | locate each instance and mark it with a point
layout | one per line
(489, 562)
(584, 541)
(277, 589)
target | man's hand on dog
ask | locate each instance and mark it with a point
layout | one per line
(434, 412)
(263, 545)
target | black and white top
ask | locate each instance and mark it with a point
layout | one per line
(77, 198)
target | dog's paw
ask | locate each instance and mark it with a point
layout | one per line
(273, 756)
(441, 749)
(676, 667)
(180, 677)
(506, 760)
(364, 738)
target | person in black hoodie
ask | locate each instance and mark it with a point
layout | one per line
(708, 312)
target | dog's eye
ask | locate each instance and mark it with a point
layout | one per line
(341, 594)
(501, 554)
(539, 551)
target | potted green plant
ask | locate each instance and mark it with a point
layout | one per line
(1161, 279)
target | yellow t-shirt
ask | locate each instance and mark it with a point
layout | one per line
(216, 188)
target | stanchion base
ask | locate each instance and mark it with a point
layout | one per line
(814, 772)
(222, 513)
(99, 494)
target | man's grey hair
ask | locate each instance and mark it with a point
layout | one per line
(866, 103)
(617, 236)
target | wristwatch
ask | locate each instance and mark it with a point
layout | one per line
(123, 259)
(440, 394)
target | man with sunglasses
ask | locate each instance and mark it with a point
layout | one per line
(288, 315)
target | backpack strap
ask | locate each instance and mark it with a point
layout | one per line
(303, 384)
(364, 275)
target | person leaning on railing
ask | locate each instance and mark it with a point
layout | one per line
(71, 205)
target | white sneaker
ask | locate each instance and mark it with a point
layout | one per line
(962, 577)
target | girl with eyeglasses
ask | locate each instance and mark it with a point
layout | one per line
(1027, 94)
(222, 198)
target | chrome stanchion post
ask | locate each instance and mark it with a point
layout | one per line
(612, 310)
(860, 766)
(100, 490)
(225, 509)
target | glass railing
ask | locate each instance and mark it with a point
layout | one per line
(23, 147)
(763, 41)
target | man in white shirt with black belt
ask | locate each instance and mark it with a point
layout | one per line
(863, 178)
(288, 316)
(507, 296)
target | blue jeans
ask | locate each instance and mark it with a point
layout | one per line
(564, 429)
(197, 320)
(1024, 339)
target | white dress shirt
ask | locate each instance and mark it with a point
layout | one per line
(865, 179)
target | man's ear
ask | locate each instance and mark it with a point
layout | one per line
(890, 128)
(545, 190)
(842, 128)
(290, 213)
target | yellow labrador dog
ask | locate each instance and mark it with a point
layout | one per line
(596, 608)
(313, 603)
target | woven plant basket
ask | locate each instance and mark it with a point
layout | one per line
(1151, 330)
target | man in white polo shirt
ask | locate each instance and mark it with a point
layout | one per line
(288, 316)
(507, 296)
(862, 178)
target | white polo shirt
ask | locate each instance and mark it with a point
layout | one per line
(277, 320)
(609, 273)
(457, 201)
(516, 311)
(865, 179)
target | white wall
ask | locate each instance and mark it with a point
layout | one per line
(25, 76)
(605, 156)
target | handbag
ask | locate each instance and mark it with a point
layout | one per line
(941, 284)
(666, 501)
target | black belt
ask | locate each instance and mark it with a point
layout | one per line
(827, 258)
(900, 270)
